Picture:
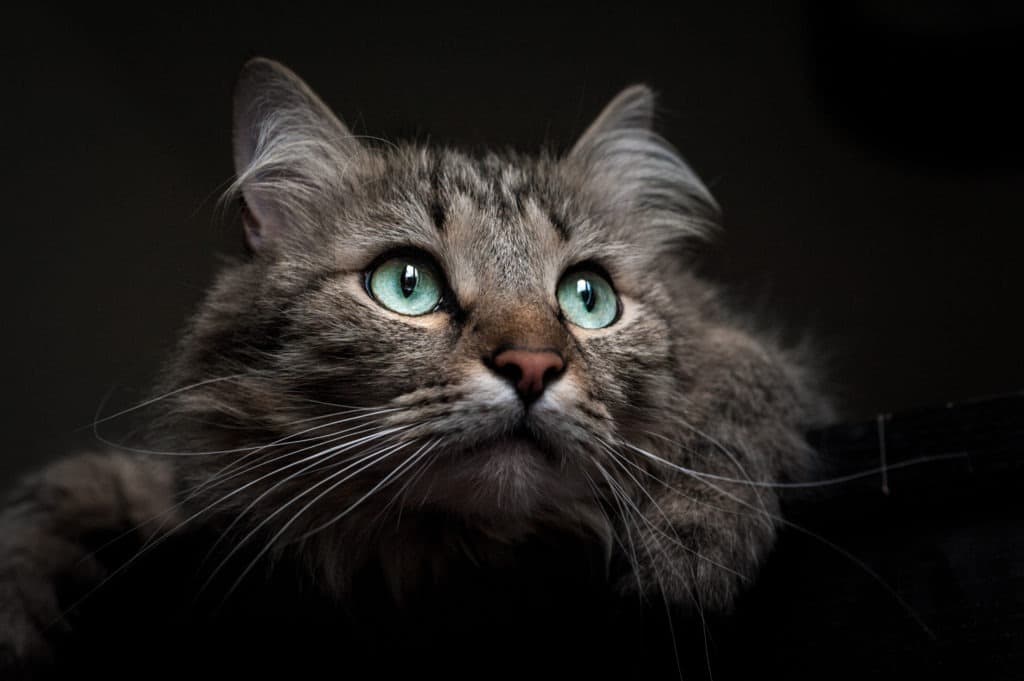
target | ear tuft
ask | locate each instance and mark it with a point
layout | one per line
(286, 141)
(635, 171)
(631, 109)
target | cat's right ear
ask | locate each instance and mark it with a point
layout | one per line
(630, 110)
(286, 141)
(635, 171)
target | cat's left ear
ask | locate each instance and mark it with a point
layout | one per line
(624, 161)
(287, 142)
(630, 110)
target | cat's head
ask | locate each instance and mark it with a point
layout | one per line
(418, 328)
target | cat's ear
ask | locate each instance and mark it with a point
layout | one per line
(631, 109)
(286, 142)
(633, 168)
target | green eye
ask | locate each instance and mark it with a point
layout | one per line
(587, 299)
(407, 285)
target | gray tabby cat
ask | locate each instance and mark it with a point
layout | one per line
(515, 343)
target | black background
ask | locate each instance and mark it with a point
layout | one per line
(869, 157)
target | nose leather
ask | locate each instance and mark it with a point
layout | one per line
(530, 371)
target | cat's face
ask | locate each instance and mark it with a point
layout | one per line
(418, 329)
(490, 356)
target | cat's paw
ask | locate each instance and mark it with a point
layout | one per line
(30, 622)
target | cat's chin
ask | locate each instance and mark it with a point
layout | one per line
(507, 450)
(511, 475)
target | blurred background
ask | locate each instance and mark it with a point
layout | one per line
(868, 155)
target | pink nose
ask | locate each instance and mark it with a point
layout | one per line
(529, 370)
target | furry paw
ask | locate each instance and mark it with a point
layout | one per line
(30, 621)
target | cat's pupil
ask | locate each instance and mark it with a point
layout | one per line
(586, 293)
(410, 276)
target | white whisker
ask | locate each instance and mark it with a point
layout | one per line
(157, 540)
(656, 566)
(164, 396)
(628, 547)
(723, 449)
(675, 540)
(327, 438)
(377, 456)
(236, 450)
(704, 478)
(415, 456)
(317, 460)
(399, 494)
(812, 483)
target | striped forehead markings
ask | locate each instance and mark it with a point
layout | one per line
(492, 191)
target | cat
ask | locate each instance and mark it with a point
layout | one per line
(430, 359)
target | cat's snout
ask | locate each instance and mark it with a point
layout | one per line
(530, 371)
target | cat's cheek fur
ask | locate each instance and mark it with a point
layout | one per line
(704, 561)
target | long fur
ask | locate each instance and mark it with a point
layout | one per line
(302, 419)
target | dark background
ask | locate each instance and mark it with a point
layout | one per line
(868, 157)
